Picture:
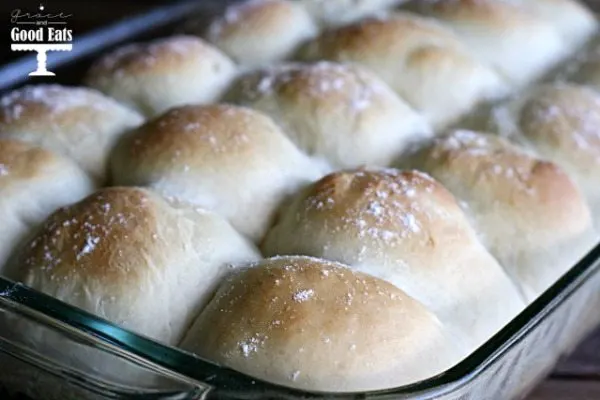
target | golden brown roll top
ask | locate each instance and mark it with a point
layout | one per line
(317, 325)
(342, 113)
(404, 227)
(228, 159)
(560, 122)
(340, 12)
(259, 32)
(514, 39)
(423, 62)
(79, 123)
(128, 256)
(155, 76)
(529, 214)
(33, 183)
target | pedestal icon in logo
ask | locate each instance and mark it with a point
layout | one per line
(41, 55)
(40, 32)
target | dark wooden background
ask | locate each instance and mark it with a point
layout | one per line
(575, 378)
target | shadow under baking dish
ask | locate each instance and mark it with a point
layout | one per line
(128, 366)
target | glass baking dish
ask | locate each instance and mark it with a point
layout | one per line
(50, 350)
(67, 353)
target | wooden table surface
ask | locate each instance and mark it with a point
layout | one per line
(575, 378)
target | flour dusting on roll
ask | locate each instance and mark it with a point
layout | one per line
(336, 196)
(260, 32)
(229, 159)
(317, 325)
(339, 12)
(404, 227)
(521, 44)
(33, 183)
(422, 61)
(155, 76)
(128, 256)
(79, 123)
(529, 213)
(559, 122)
(342, 113)
(572, 18)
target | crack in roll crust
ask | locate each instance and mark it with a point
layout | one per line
(79, 123)
(155, 76)
(33, 183)
(404, 227)
(339, 112)
(510, 194)
(423, 62)
(127, 255)
(318, 325)
(228, 159)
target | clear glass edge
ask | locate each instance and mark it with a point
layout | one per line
(93, 384)
(124, 344)
(221, 380)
